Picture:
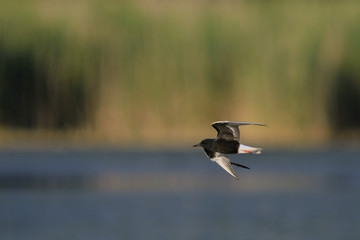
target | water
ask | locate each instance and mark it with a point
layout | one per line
(114, 194)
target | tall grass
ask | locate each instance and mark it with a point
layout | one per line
(47, 76)
(134, 71)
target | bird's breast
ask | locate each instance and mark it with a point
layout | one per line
(226, 146)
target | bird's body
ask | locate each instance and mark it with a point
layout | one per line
(227, 141)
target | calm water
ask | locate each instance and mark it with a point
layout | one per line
(98, 194)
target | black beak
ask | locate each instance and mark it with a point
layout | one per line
(197, 145)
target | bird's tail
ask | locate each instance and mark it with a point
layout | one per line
(247, 149)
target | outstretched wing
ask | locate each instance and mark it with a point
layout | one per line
(222, 160)
(229, 130)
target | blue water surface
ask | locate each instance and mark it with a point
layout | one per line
(123, 194)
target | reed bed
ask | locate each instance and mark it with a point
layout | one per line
(122, 72)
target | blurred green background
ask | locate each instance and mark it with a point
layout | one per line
(124, 72)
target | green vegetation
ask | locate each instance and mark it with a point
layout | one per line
(119, 72)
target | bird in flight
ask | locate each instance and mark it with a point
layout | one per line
(227, 141)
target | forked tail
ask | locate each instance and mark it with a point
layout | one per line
(247, 149)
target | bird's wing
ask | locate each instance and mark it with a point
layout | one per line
(229, 130)
(222, 160)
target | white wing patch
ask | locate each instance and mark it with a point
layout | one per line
(237, 123)
(224, 162)
(232, 130)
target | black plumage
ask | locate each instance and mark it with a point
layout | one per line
(227, 141)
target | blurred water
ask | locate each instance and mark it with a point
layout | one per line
(113, 194)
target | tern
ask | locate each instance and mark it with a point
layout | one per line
(227, 141)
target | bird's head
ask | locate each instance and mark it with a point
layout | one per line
(204, 143)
